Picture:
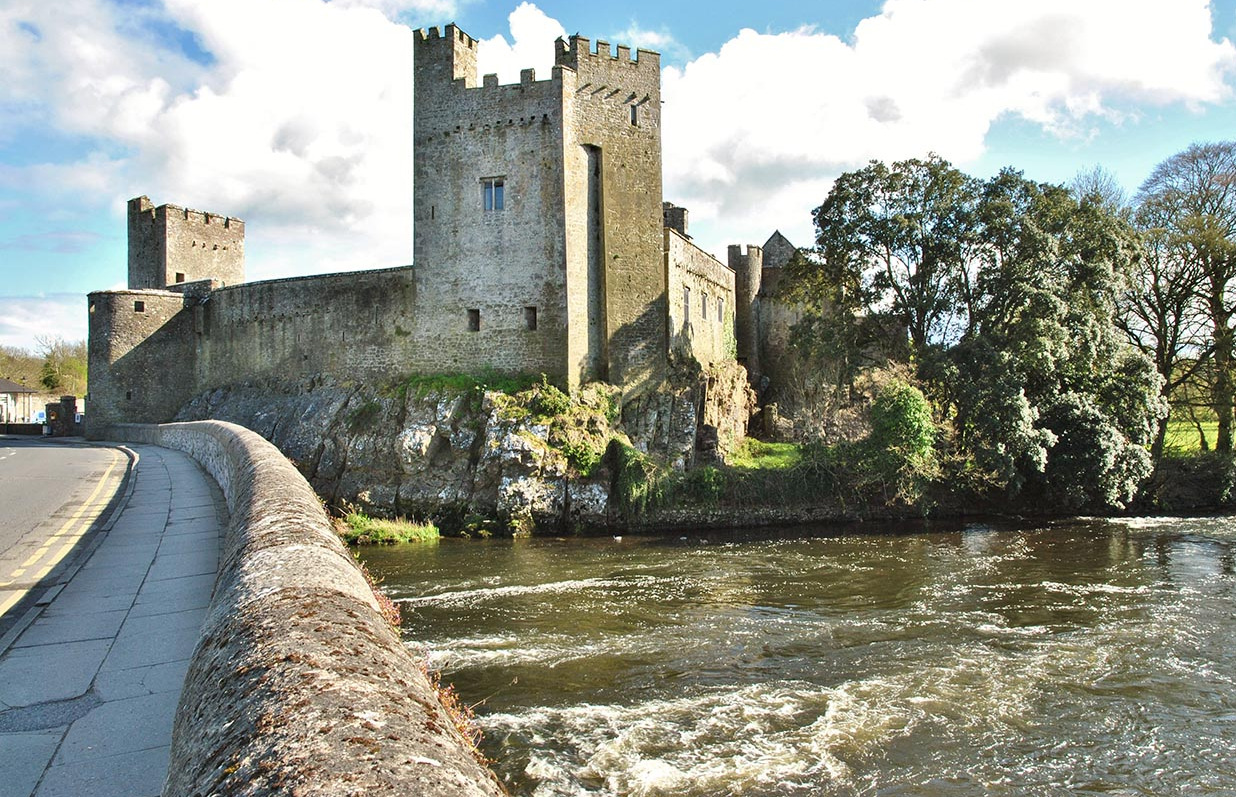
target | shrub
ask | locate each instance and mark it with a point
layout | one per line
(702, 485)
(639, 483)
(582, 453)
(549, 401)
(898, 456)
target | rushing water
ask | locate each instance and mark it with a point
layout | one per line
(1093, 657)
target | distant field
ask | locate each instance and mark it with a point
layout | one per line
(1182, 436)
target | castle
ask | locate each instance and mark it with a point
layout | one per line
(541, 245)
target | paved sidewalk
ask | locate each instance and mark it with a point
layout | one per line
(89, 690)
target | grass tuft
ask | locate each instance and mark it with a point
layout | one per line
(758, 455)
(357, 528)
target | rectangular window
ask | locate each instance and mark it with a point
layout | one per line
(704, 306)
(180, 276)
(720, 308)
(474, 320)
(492, 190)
(686, 305)
(635, 115)
(139, 306)
(530, 318)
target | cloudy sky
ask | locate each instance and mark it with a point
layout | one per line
(296, 115)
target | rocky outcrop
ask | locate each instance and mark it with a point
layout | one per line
(475, 458)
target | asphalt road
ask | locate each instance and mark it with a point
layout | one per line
(52, 495)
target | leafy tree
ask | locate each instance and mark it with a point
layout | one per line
(64, 365)
(1191, 198)
(1008, 289)
(896, 238)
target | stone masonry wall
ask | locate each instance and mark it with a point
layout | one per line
(140, 356)
(355, 325)
(748, 268)
(705, 328)
(491, 282)
(298, 685)
(616, 109)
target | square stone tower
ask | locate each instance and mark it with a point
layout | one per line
(170, 245)
(538, 243)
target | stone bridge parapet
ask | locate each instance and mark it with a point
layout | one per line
(298, 685)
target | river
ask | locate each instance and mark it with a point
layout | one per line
(1082, 657)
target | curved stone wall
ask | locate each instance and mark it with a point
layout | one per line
(297, 684)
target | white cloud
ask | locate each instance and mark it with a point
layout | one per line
(770, 118)
(301, 120)
(25, 318)
(661, 41)
(394, 8)
(531, 46)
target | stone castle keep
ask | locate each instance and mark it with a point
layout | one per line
(541, 245)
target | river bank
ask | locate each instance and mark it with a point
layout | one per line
(506, 456)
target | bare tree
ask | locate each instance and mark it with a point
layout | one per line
(1161, 312)
(1192, 198)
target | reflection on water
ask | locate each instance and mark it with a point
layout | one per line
(1093, 657)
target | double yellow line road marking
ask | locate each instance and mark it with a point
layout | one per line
(45, 559)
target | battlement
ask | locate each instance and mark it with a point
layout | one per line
(142, 208)
(442, 58)
(578, 54)
(451, 32)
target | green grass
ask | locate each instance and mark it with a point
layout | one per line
(757, 455)
(1182, 436)
(357, 528)
(420, 386)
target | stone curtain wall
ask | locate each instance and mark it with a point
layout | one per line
(297, 684)
(705, 334)
(357, 325)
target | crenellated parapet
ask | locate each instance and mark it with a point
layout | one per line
(578, 54)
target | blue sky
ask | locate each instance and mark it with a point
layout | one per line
(295, 115)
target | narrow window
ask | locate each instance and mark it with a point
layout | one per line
(139, 306)
(530, 318)
(433, 211)
(492, 190)
(686, 305)
(635, 115)
(180, 276)
(720, 308)
(128, 395)
(474, 320)
(704, 306)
